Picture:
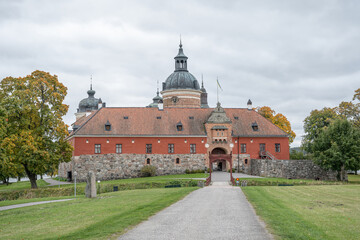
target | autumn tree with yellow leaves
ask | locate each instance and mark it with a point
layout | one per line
(33, 132)
(278, 119)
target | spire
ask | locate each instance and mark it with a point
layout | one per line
(91, 92)
(181, 59)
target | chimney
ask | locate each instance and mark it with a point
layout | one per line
(249, 105)
(100, 103)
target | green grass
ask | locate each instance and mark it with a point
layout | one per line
(42, 183)
(109, 215)
(354, 178)
(22, 185)
(20, 201)
(309, 212)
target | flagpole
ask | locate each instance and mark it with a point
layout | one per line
(217, 88)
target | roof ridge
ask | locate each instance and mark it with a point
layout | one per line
(272, 123)
(86, 121)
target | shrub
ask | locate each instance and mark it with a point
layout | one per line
(148, 171)
(187, 171)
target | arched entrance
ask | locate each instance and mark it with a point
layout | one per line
(219, 164)
(219, 155)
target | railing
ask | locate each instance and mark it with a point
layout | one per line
(208, 180)
(266, 155)
(232, 181)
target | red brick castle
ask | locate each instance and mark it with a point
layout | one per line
(178, 131)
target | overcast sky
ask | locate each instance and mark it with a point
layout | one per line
(294, 56)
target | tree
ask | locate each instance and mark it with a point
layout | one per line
(315, 123)
(351, 111)
(278, 119)
(35, 133)
(338, 147)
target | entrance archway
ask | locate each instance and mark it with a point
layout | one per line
(218, 151)
(219, 155)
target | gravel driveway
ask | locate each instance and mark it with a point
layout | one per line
(219, 211)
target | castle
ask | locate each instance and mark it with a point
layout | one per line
(177, 131)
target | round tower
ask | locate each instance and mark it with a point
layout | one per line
(181, 89)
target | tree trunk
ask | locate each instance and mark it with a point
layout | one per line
(342, 173)
(31, 176)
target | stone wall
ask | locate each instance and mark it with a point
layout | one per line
(116, 166)
(295, 169)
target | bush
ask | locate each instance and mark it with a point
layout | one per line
(187, 171)
(148, 171)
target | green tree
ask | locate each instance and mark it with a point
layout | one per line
(315, 123)
(278, 119)
(338, 147)
(35, 133)
(351, 111)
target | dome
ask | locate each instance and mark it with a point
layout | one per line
(181, 80)
(90, 103)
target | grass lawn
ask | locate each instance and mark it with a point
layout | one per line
(308, 212)
(22, 185)
(42, 183)
(106, 216)
(354, 178)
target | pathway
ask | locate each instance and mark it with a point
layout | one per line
(216, 212)
(55, 182)
(225, 176)
(30, 204)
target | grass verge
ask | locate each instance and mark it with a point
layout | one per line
(108, 215)
(309, 212)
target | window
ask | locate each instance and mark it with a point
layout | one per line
(262, 147)
(177, 161)
(246, 161)
(171, 148)
(158, 117)
(118, 148)
(191, 117)
(179, 126)
(277, 147)
(97, 148)
(255, 126)
(148, 148)
(236, 118)
(148, 161)
(107, 126)
(192, 148)
(126, 117)
(243, 148)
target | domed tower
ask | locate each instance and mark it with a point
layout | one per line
(88, 104)
(204, 102)
(156, 100)
(181, 89)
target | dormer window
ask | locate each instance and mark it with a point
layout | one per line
(255, 126)
(107, 126)
(179, 126)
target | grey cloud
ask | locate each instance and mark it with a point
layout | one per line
(293, 56)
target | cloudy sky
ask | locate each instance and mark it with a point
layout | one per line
(294, 56)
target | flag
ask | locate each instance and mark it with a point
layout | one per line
(217, 80)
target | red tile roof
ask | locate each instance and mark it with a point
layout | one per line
(154, 122)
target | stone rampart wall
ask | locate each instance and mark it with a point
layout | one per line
(116, 166)
(295, 169)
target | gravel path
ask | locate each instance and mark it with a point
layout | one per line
(55, 182)
(30, 204)
(225, 176)
(216, 212)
